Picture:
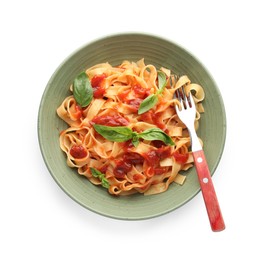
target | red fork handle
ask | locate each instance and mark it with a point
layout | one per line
(208, 192)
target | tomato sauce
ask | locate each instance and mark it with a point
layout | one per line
(180, 158)
(78, 112)
(160, 170)
(96, 83)
(121, 169)
(153, 118)
(124, 165)
(115, 120)
(135, 103)
(123, 95)
(127, 146)
(137, 177)
(78, 152)
(155, 156)
(152, 157)
(158, 143)
(140, 92)
(103, 169)
(133, 158)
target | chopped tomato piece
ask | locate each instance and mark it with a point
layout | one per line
(137, 177)
(160, 170)
(181, 158)
(115, 120)
(163, 152)
(98, 92)
(96, 83)
(154, 156)
(78, 152)
(124, 165)
(97, 80)
(140, 92)
(133, 158)
(78, 112)
(153, 118)
(121, 169)
(135, 103)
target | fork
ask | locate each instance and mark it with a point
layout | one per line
(187, 112)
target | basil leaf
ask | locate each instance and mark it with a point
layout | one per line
(156, 134)
(162, 80)
(123, 133)
(148, 103)
(105, 183)
(152, 100)
(135, 139)
(97, 174)
(82, 90)
(114, 133)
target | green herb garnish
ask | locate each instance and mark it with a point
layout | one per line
(97, 174)
(156, 134)
(162, 80)
(114, 133)
(82, 90)
(123, 133)
(150, 101)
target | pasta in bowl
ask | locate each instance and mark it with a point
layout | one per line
(127, 136)
(63, 139)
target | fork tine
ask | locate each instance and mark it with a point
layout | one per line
(182, 104)
(184, 98)
(180, 94)
(191, 101)
(188, 100)
(173, 79)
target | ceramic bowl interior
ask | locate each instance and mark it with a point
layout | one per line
(114, 49)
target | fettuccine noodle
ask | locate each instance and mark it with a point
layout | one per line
(151, 166)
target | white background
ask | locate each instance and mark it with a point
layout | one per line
(39, 221)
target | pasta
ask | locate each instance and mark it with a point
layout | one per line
(136, 165)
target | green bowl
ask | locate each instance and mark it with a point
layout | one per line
(114, 49)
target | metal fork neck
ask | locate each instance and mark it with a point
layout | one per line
(195, 143)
